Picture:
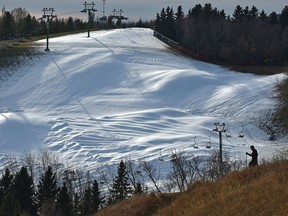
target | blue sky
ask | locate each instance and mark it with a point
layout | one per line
(136, 9)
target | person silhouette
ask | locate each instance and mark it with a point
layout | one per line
(254, 155)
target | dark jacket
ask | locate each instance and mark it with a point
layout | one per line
(254, 156)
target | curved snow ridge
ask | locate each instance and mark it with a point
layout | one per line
(122, 135)
(14, 128)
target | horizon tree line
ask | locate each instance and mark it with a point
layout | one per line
(249, 37)
(19, 23)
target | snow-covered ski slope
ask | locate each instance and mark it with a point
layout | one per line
(122, 94)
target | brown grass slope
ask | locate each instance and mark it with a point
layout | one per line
(138, 205)
(261, 191)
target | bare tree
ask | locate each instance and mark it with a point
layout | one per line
(13, 164)
(19, 15)
(29, 160)
(180, 170)
(134, 174)
(48, 158)
(151, 171)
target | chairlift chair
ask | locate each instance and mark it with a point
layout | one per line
(241, 134)
(174, 155)
(208, 145)
(103, 19)
(160, 156)
(228, 133)
(195, 144)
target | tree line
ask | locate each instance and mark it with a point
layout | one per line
(19, 23)
(249, 37)
(54, 194)
(42, 185)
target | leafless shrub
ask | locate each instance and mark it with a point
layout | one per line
(152, 172)
(135, 175)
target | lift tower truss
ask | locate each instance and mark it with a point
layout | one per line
(89, 8)
(48, 15)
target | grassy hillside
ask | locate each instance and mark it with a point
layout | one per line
(15, 53)
(258, 191)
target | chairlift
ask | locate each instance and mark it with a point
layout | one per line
(103, 19)
(160, 156)
(208, 145)
(272, 138)
(241, 134)
(195, 144)
(228, 133)
(174, 155)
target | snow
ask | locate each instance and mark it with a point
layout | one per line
(122, 94)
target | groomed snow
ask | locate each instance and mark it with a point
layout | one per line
(123, 94)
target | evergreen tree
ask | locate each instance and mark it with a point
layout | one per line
(263, 15)
(196, 11)
(76, 204)
(9, 206)
(28, 24)
(8, 22)
(157, 23)
(23, 191)
(162, 22)
(86, 204)
(246, 12)
(170, 24)
(139, 23)
(238, 13)
(47, 188)
(70, 24)
(97, 199)
(47, 208)
(121, 188)
(283, 18)
(273, 18)
(5, 183)
(64, 204)
(253, 13)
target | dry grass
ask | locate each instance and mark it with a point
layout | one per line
(260, 191)
(13, 54)
(257, 191)
(138, 205)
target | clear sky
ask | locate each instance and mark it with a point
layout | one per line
(136, 9)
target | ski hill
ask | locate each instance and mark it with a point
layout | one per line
(123, 94)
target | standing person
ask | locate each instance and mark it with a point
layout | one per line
(254, 155)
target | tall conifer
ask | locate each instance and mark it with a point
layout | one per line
(121, 188)
(47, 188)
(23, 191)
(97, 199)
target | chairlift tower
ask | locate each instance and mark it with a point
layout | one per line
(220, 128)
(48, 15)
(103, 19)
(117, 15)
(88, 8)
(104, 8)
